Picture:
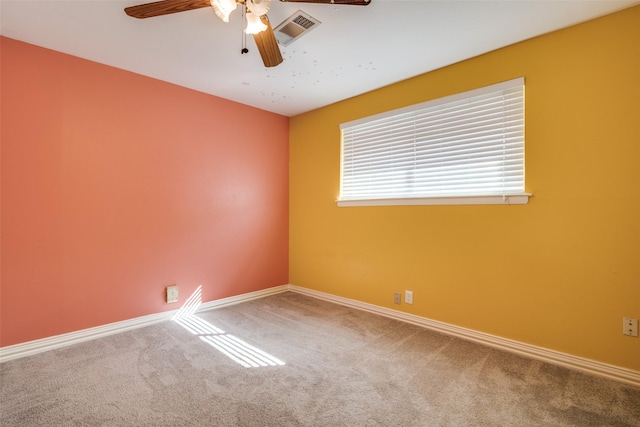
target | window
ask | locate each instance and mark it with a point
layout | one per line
(462, 149)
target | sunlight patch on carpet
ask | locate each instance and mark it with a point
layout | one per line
(229, 345)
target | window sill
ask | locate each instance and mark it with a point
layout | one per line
(512, 199)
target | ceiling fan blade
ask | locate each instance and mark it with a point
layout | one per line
(351, 2)
(268, 45)
(164, 7)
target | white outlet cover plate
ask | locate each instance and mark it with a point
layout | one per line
(172, 294)
(630, 326)
(408, 297)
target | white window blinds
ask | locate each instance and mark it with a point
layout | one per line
(465, 145)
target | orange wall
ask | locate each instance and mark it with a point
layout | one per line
(115, 185)
(559, 272)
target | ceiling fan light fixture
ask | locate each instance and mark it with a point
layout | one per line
(258, 7)
(223, 8)
(254, 24)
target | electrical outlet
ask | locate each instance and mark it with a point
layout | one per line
(630, 326)
(408, 297)
(396, 297)
(172, 293)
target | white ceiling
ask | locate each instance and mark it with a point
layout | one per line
(355, 50)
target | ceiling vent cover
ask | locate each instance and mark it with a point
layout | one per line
(294, 27)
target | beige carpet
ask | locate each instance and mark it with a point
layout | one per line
(342, 367)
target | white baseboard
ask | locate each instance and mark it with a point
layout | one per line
(592, 367)
(237, 299)
(588, 366)
(51, 343)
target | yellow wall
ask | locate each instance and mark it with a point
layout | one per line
(560, 272)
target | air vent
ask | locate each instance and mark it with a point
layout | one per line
(294, 27)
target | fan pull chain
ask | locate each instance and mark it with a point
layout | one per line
(244, 35)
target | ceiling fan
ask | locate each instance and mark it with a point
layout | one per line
(256, 16)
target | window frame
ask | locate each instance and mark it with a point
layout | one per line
(474, 199)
